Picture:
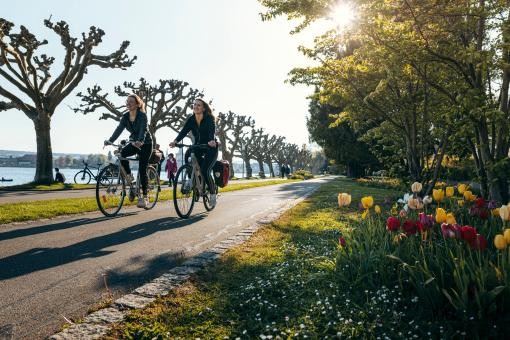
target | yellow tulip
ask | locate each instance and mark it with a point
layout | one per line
(377, 209)
(367, 202)
(506, 235)
(365, 214)
(449, 191)
(461, 188)
(438, 194)
(416, 187)
(504, 212)
(495, 212)
(344, 199)
(468, 196)
(460, 203)
(500, 242)
(450, 219)
(440, 215)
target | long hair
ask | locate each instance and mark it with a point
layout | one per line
(207, 108)
(139, 102)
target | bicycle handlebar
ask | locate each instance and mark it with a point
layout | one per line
(196, 146)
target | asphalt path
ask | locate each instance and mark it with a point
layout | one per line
(7, 196)
(56, 270)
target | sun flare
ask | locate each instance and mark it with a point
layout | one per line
(343, 14)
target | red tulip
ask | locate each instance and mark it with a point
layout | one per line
(409, 227)
(341, 241)
(451, 230)
(468, 233)
(480, 202)
(392, 223)
(480, 242)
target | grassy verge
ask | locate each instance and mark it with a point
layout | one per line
(281, 283)
(49, 187)
(294, 280)
(33, 210)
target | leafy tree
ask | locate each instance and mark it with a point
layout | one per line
(338, 141)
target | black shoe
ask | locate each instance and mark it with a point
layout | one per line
(131, 195)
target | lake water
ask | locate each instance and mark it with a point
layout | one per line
(26, 175)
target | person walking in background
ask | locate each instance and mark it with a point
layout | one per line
(171, 169)
(159, 157)
(59, 177)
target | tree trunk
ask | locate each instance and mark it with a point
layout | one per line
(44, 163)
(249, 171)
(230, 158)
(271, 170)
(261, 168)
(486, 158)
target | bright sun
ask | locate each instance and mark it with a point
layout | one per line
(343, 14)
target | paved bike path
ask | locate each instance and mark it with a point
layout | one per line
(39, 195)
(49, 272)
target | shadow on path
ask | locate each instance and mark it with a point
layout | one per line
(43, 258)
(57, 226)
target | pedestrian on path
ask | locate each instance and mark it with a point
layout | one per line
(171, 169)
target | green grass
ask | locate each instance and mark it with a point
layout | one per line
(293, 280)
(49, 187)
(279, 283)
(33, 210)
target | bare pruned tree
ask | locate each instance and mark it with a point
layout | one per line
(167, 103)
(28, 77)
(271, 145)
(258, 150)
(304, 158)
(247, 149)
(230, 127)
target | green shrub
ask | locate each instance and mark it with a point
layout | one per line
(301, 174)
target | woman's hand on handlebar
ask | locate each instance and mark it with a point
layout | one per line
(211, 143)
(107, 142)
(172, 144)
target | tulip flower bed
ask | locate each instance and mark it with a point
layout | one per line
(400, 270)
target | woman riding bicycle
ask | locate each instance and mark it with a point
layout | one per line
(135, 121)
(203, 127)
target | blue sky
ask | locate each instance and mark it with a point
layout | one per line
(220, 46)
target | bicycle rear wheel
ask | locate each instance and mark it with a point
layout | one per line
(110, 190)
(153, 187)
(82, 177)
(184, 193)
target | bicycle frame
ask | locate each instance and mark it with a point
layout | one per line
(87, 169)
(122, 172)
(197, 175)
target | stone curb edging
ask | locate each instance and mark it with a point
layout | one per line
(97, 324)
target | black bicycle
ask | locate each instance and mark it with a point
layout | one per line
(84, 176)
(189, 185)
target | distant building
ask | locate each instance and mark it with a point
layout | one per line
(27, 161)
(8, 161)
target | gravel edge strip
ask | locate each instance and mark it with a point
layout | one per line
(97, 324)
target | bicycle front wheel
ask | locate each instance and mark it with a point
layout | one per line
(110, 190)
(153, 187)
(184, 193)
(82, 177)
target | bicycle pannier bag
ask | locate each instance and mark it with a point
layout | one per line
(221, 171)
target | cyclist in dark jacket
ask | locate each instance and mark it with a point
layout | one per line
(203, 128)
(135, 121)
